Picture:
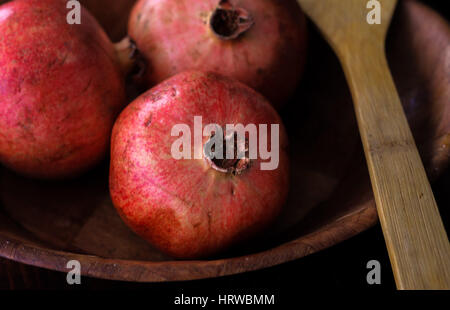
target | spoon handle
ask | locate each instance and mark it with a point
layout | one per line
(416, 240)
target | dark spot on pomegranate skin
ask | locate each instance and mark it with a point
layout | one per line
(87, 86)
(148, 121)
(153, 96)
(247, 60)
(209, 220)
(64, 152)
(174, 92)
(195, 54)
(51, 63)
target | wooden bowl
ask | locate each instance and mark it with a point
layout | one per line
(47, 224)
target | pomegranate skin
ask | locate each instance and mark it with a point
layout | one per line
(60, 90)
(184, 207)
(176, 35)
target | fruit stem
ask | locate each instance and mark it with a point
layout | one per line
(228, 22)
(128, 56)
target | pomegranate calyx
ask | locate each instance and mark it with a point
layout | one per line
(228, 22)
(236, 165)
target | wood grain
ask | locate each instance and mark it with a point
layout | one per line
(416, 239)
(47, 224)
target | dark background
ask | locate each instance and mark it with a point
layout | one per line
(342, 267)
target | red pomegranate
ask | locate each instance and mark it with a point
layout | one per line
(112, 15)
(61, 89)
(199, 204)
(261, 43)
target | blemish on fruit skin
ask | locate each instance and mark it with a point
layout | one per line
(204, 17)
(195, 55)
(86, 87)
(167, 19)
(174, 92)
(209, 214)
(149, 120)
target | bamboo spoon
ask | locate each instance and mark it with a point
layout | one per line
(416, 240)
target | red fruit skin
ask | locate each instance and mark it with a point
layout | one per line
(60, 90)
(184, 207)
(175, 36)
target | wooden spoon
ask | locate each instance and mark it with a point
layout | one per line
(415, 236)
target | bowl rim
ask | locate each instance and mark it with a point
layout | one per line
(332, 233)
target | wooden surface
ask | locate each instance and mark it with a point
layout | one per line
(416, 239)
(47, 224)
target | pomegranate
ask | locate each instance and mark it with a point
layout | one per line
(197, 205)
(261, 43)
(61, 89)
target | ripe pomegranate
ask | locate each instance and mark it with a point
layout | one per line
(190, 208)
(61, 89)
(112, 15)
(261, 43)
